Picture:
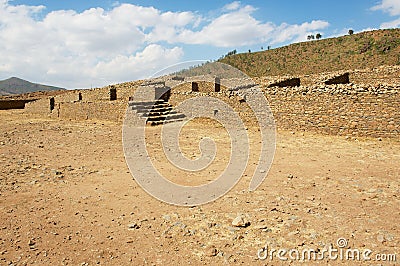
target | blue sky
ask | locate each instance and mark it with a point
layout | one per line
(83, 44)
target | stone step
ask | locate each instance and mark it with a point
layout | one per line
(146, 107)
(157, 112)
(155, 123)
(156, 109)
(152, 114)
(165, 117)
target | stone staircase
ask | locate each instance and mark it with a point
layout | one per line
(156, 112)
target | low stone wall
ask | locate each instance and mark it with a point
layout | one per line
(87, 104)
(123, 91)
(41, 106)
(345, 111)
(202, 86)
(384, 75)
(350, 114)
(103, 110)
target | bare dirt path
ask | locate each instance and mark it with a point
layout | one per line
(67, 197)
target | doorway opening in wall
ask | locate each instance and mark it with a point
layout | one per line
(52, 104)
(195, 87)
(113, 94)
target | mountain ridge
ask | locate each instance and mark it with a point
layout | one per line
(15, 85)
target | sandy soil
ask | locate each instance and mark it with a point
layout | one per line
(67, 197)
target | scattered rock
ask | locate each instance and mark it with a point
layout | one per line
(211, 251)
(232, 229)
(31, 243)
(381, 238)
(134, 226)
(240, 221)
(166, 217)
(210, 225)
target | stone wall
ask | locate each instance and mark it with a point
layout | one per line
(123, 90)
(347, 112)
(340, 109)
(202, 86)
(384, 75)
(336, 109)
(103, 110)
(87, 104)
(41, 106)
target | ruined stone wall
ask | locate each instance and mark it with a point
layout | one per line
(88, 95)
(379, 76)
(94, 103)
(345, 112)
(337, 110)
(203, 86)
(124, 90)
(341, 109)
(104, 110)
(384, 76)
(41, 106)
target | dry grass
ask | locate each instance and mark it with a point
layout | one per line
(358, 51)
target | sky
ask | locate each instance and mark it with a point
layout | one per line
(87, 44)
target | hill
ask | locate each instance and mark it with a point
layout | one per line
(18, 86)
(363, 50)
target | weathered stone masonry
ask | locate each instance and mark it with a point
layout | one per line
(344, 109)
(107, 103)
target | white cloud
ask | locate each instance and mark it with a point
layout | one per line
(390, 6)
(240, 28)
(96, 47)
(91, 48)
(232, 6)
(237, 28)
(391, 24)
(124, 68)
(393, 8)
(297, 33)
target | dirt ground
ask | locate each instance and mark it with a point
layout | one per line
(68, 198)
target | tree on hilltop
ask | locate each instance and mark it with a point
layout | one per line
(310, 37)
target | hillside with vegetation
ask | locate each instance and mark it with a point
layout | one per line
(356, 51)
